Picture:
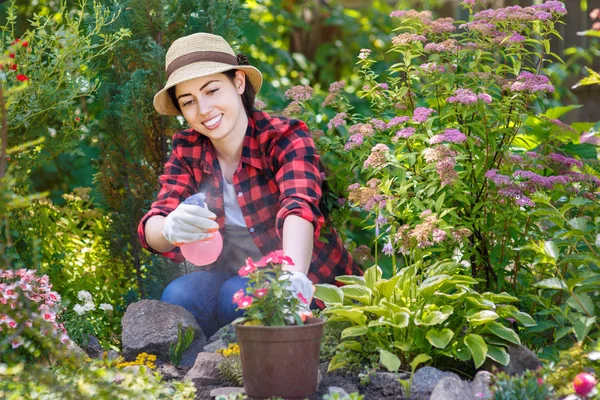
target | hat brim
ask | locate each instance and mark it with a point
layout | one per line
(162, 100)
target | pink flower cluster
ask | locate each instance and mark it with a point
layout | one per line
(450, 135)
(407, 38)
(377, 158)
(404, 133)
(421, 114)
(339, 119)
(445, 162)
(427, 233)
(446, 45)
(432, 67)
(528, 82)
(397, 121)
(299, 93)
(23, 285)
(334, 89)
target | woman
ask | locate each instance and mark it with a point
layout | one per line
(259, 175)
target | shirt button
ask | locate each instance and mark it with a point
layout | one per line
(240, 194)
(251, 230)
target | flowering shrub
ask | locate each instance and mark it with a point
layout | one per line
(87, 319)
(454, 156)
(28, 308)
(571, 363)
(268, 300)
(230, 369)
(141, 359)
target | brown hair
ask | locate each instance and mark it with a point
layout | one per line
(248, 96)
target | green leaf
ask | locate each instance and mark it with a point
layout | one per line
(440, 339)
(523, 318)
(387, 287)
(579, 223)
(430, 285)
(351, 280)
(329, 294)
(377, 310)
(372, 276)
(337, 361)
(582, 325)
(351, 314)
(498, 354)
(551, 250)
(357, 292)
(502, 332)
(482, 317)
(587, 304)
(477, 347)
(557, 112)
(418, 360)
(351, 345)
(389, 360)
(354, 331)
(551, 283)
(500, 297)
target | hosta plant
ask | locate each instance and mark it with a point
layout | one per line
(431, 309)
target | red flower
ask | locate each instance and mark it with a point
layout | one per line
(277, 257)
(244, 271)
(22, 78)
(302, 298)
(238, 295)
(261, 292)
(25, 44)
(77, 119)
(13, 67)
(12, 55)
(17, 40)
(244, 302)
(584, 383)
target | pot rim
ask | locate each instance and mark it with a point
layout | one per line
(311, 322)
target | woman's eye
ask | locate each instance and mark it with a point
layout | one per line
(187, 103)
(212, 91)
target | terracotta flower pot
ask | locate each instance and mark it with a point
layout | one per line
(280, 361)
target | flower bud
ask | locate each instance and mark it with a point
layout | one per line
(584, 383)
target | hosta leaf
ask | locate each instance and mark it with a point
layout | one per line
(372, 276)
(354, 331)
(387, 287)
(351, 345)
(430, 285)
(389, 360)
(329, 294)
(477, 347)
(498, 354)
(500, 297)
(418, 360)
(401, 319)
(351, 280)
(524, 318)
(377, 310)
(440, 339)
(356, 292)
(502, 332)
(482, 317)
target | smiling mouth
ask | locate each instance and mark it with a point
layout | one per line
(213, 122)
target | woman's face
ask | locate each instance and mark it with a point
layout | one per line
(212, 105)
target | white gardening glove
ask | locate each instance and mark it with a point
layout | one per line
(189, 223)
(301, 287)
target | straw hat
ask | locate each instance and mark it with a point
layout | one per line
(195, 56)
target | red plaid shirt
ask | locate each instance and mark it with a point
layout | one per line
(280, 176)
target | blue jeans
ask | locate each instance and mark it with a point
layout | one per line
(208, 295)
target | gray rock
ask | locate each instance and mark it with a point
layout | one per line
(334, 389)
(425, 380)
(385, 385)
(204, 372)
(170, 372)
(521, 360)
(226, 391)
(214, 346)
(112, 354)
(93, 348)
(452, 388)
(481, 385)
(226, 334)
(151, 326)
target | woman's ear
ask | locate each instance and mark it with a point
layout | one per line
(240, 82)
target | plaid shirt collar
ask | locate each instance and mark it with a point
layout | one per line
(251, 153)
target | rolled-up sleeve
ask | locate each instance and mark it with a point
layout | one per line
(176, 184)
(298, 176)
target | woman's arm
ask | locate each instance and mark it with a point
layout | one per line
(298, 235)
(154, 234)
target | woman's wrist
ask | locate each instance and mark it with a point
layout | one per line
(154, 234)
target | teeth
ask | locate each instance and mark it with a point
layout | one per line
(213, 121)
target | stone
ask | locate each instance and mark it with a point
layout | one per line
(226, 333)
(346, 382)
(93, 348)
(226, 391)
(214, 346)
(151, 326)
(481, 385)
(521, 360)
(204, 372)
(112, 355)
(425, 380)
(452, 388)
(332, 390)
(170, 372)
(385, 385)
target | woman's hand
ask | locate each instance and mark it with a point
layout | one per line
(189, 223)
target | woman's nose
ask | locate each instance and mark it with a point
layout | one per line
(205, 106)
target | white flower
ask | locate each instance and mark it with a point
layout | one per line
(88, 306)
(106, 307)
(84, 296)
(78, 308)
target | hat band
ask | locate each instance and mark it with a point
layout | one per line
(196, 56)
